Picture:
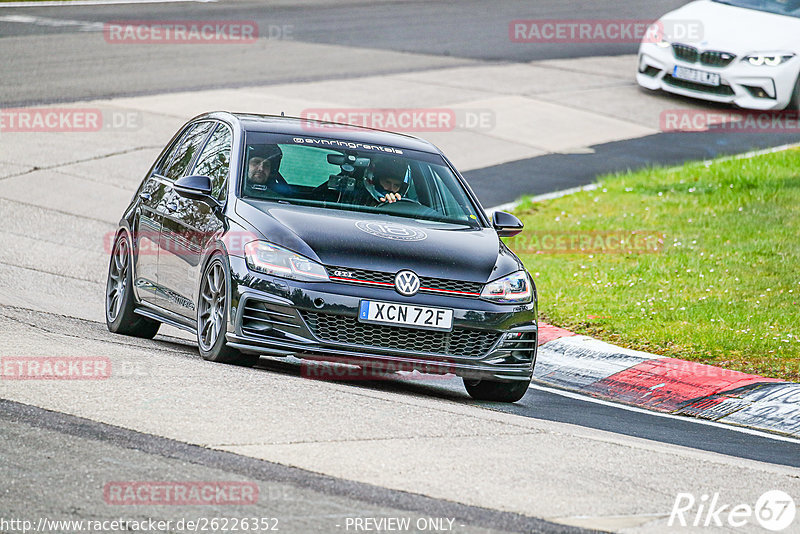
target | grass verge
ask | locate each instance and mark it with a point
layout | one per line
(723, 289)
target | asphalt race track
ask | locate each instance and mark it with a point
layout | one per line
(324, 453)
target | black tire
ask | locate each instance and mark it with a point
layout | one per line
(488, 390)
(120, 302)
(213, 301)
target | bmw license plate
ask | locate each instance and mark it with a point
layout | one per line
(393, 313)
(694, 75)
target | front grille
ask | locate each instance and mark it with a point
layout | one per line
(685, 52)
(347, 330)
(344, 274)
(724, 90)
(427, 284)
(443, 284)
(259, 318)
(710, 58)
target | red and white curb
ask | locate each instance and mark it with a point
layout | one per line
(599, 369)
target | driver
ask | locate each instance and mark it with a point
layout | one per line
(262, 172)
(388, 183)
(258, 170)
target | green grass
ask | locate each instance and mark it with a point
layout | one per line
(725, 288)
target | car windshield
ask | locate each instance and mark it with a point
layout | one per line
(356, 177)
(789, 8)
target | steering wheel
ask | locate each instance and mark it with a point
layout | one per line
(418, 208)
(402, 199)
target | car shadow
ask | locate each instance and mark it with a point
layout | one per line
(446, 387)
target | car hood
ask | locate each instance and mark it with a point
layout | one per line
(735, 29)
(382, 243)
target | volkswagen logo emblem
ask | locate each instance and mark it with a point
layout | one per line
(406, 283)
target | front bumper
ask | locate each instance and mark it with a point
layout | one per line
(742, 84)
(319, 320)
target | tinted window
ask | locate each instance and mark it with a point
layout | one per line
(356, 179)
(191, 142)
(215, 159)
(163, 163)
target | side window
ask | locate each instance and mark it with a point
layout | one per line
(163, 163)
(446, 202)
(215, 159)
(185, 151)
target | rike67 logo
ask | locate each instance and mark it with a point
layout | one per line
(775, 510)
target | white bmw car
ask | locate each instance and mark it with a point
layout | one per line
(742, 52)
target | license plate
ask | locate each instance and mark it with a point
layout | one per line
(393, 313)
(694, 75)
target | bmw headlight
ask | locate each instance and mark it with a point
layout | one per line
(514, 288)
(271, 259)
(768, 59)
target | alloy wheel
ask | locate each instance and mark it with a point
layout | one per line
(117, 278)
(211, 317)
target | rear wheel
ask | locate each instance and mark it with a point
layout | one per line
(212, 316)
(120, 315)
(489, 390)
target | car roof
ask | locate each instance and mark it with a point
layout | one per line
(301, 127)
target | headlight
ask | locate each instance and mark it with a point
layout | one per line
(514, 288)
(271, 259)
(770, 59)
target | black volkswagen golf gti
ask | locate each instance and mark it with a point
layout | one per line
(278, 236)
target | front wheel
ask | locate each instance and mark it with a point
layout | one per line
(488, 390)
(212, 316)
(120, 315)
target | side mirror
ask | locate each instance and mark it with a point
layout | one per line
(506, 224)
(195, 187)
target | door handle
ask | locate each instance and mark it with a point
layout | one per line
(172, 206)
(144, 195)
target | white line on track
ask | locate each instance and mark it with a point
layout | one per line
(84, 25)
(546, 196)
(564, 192)
(726, 426)
(57, 3)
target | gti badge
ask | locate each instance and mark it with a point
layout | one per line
(406, 283)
